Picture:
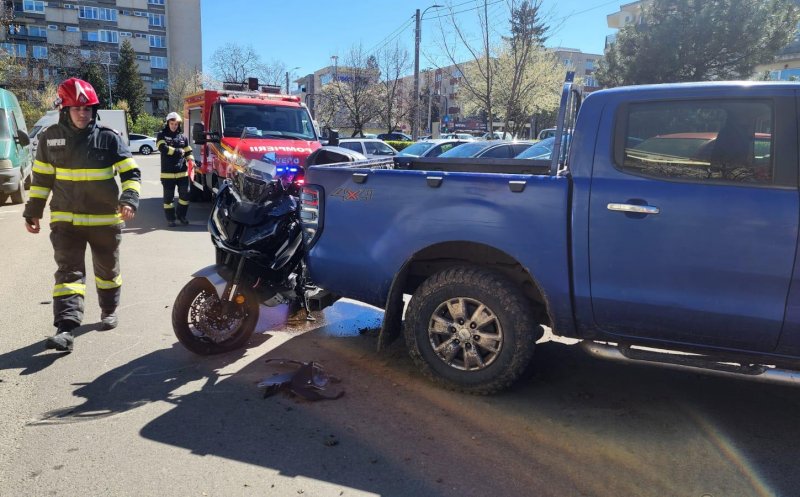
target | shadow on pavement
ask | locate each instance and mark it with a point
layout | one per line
(572, 426)
(150, 217)
(34, 357)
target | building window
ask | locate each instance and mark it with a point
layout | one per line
(39, 52)
(88, 12)
(101, 14)
(156, 19)
(155, 2)
(108, 36)
(14, 49)
(37, 31)
(52, 27)
(160, 84)
(589, 64)
(157, 62)
(157, 41)
(89, 36)
(35, 6)
(70, 6)
(140, 14)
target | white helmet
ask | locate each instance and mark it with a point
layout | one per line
(175, 116)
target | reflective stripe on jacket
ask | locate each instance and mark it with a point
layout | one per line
(78, 169)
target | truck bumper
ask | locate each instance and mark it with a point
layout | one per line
(9, 179)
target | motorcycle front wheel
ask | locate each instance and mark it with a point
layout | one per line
(205, 325)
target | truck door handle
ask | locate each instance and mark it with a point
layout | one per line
(637, 209)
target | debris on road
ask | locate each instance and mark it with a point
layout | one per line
(308, 380)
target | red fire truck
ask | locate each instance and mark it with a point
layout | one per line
(280, 124)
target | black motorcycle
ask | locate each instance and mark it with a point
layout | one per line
(255, 227)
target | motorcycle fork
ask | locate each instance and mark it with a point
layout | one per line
(229, 294)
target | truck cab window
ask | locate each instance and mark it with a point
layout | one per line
(707, 141)
(214, 124)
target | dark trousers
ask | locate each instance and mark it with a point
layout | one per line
(169, 196)
(69, 244)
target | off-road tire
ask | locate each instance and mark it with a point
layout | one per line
(513, 313)
(201, 345)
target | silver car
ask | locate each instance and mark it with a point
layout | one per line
(372, 148)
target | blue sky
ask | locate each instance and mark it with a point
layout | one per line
(306, 33)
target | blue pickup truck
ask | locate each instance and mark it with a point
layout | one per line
(665, 231)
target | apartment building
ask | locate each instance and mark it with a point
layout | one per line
(61, 34)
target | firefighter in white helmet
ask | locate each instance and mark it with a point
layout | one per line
(176, 154)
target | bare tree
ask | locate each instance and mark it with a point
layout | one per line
(393, 62)
(356, 89)
(235, 63)
(272, 73)
(183, 81)
(477, 81)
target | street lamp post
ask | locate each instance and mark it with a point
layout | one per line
(417, 35)
(335, 59)
(446, 109)
(287, 78)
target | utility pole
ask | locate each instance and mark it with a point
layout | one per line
(415, 112)
(428, 126)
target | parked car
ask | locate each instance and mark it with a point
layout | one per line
(491, 149)
(429, 148)
(546, 133)
(395, 137)
(16, 163)
(459, 136)
(497, 135)
(543, 149)
(371, 147)
(142, 143)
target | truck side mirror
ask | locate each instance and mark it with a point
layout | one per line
(333, 137)
(22, 138)
(198, 133)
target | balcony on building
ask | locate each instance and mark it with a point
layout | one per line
(140, 45)
(58, 14)
(132, 23)
(59, 37)
(144, 66)
(132, 4)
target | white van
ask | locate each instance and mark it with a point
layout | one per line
(114, 119)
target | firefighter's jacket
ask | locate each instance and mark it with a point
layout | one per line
(175, 151)
(79, 167)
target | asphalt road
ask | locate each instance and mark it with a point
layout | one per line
(132, 413)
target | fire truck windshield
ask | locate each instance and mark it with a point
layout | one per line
(269, 121)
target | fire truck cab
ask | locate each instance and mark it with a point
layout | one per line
(279, 124)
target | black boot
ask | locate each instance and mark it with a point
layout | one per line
(108, 320)
(62, 340)
(183, 220)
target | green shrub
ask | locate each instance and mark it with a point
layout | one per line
(399, 145)
(147, 125)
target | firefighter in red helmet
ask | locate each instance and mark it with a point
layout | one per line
(77, 162)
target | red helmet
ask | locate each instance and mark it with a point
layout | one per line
(76, 92)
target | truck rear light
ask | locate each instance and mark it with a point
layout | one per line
(310, 215)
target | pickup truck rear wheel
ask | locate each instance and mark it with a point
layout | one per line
(469, 329)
